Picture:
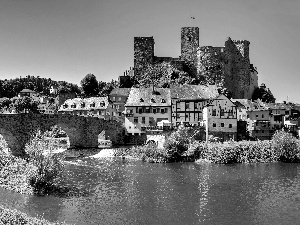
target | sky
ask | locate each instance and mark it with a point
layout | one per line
(67, 39)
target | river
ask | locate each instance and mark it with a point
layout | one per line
(133, 192)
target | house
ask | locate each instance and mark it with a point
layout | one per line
(220, 118)
(94, 106)
(27, 92)
(118, 98)
(145, 108)
(188, 101)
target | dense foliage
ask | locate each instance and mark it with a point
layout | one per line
(89, 85)
(11, 88)
(264, 94)
(20, 104)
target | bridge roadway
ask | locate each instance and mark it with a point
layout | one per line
(83, 132)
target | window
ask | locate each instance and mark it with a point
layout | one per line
(114, 98)
(143, 120)
(120, 98)
(177, 115)
(230, 125)
(163, 101)
(222, 124)
(214, 125)
(65, 106)
(262, 116)
(152, 100)
(73, 105)
(158, 110)
(92, 104)
(187, 105)
(214, 112)
(256, 115)
(135, 119)
(195, 105)
(147, 110)
(154, 110)
(162, 110)
(141, 100)
(222, 112)
(263, 131)
(82, 105)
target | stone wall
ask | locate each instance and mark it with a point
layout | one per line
(83, 132)
(143, 53)
(189, 47)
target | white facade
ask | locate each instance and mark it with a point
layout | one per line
(220, 117)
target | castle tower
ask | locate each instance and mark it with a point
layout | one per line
(189, 47)
(143, 53)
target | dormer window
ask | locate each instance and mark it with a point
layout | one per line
(73, 105)
(152, 100)
(163, 101)
(141, 100)
(82, 105)
(92, 104)
(65, 106)
(102, 104)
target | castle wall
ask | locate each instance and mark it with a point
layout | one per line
(189, 47)
(143, 53)
(210, 64)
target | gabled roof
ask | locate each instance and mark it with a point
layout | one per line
(194, 92)
(120, 91)
(146, 97)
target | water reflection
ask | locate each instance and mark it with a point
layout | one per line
(133, 192)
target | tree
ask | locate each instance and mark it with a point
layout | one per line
(264, 94)
(89, 85)
(26, 103)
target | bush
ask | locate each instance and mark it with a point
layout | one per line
(178, 142)
(47, 167)
(237, 152)
(286, 146)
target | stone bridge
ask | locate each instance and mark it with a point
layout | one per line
(83, 132)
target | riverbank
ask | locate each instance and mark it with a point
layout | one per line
(13, 216)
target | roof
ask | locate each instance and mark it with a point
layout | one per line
(278, 106)
(27, 90)
(120, 91)
(87, 103)
(146, 97)
(248, 104)
(194, 91)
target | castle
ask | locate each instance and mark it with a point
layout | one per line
(227, 66)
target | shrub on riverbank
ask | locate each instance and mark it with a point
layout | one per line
(46, 166)
(237, 152)
(9, 216)
(286, 146)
